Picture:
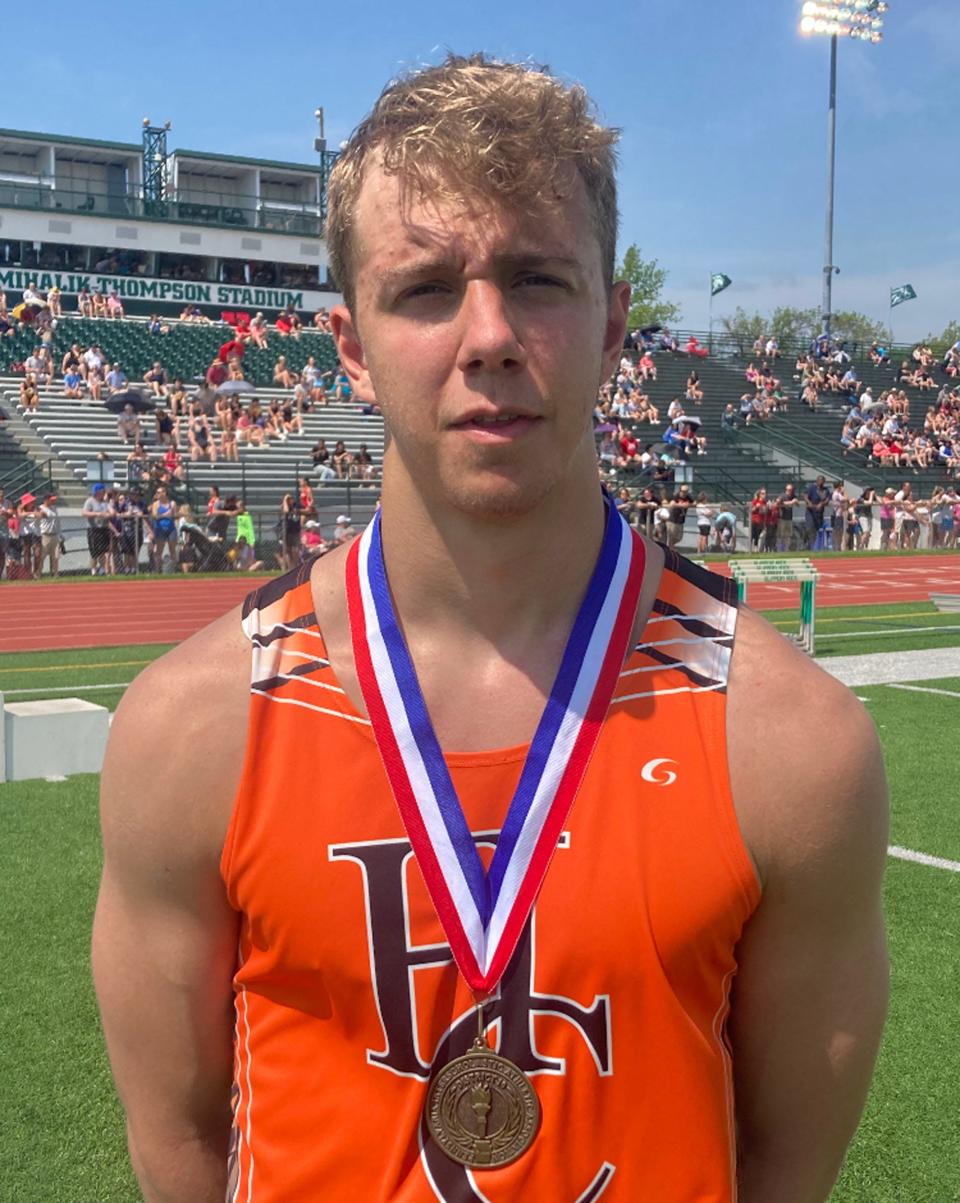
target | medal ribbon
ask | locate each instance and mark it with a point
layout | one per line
(483, 913)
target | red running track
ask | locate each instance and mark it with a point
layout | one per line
(100, 613)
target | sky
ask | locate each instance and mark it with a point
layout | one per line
(722, 106)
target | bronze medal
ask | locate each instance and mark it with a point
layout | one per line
(481, 1109)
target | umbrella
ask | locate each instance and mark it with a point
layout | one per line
(686, 420)
(116, 402)
(605, 428)
(26, 311)
(650, 330)
(236, 386)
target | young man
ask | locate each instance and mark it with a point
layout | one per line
(281, 911)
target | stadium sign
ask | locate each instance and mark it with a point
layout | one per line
(144, 289)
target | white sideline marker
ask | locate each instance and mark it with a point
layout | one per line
(921, 858)
(944, 693)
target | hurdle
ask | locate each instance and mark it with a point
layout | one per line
(787, 571)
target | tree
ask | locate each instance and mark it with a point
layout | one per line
(939, 343)
(856, 329)
(791, 326)
(646, 279)
(744, 328)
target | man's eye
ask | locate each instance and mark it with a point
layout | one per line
(427, 289)
(535, 278)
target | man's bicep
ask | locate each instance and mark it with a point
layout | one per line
(811, 990)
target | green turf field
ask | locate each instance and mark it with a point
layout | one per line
(62, 1140)
(101, 674)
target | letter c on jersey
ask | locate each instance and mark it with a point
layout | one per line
(664, 777)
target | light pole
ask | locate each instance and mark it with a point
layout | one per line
(861, 20)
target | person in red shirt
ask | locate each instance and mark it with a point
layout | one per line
(216, 373)
(758, 519)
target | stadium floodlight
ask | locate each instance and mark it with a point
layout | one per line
(858, 20)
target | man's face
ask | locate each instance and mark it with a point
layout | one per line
(483, 335)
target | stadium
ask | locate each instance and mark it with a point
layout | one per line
(176, 429)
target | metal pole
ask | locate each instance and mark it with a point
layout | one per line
(831, 168)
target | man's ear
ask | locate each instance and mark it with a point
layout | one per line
(618, 309)
(350, 349)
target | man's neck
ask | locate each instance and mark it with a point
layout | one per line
(492, 577)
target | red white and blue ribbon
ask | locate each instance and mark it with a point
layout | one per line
(483, 913)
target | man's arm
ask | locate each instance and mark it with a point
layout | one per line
(810, 994)
(165, 937)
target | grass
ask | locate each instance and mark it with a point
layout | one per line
(62, 1138)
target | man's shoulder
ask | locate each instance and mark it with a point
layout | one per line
(191, 704)
(816, 768)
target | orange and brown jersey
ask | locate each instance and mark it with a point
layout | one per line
(615, 1002)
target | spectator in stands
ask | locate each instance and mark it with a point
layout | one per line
(29, 534)
(228, 432)
(164, 528)
(128, 425)
(48, 519)
(157, 379)
(96, 510)
(321, 320)
(909, 523)
(29, 397)
(706, 512)
(288, 533)
(344, 530)
(888, 511)
(138, 463)
(282, 376)
(772, 348)
(758, 520)
(116, 379)
(216, 374)
(788, 506)
(341, 385)
(646, 410)
(838, 502)
(728, 420)
(878, 355)
(95, 382)
(248, 430)
(321, 460)
(200, 436)
(167, 428)
(816, 499)
(341, 460)
(35, 367)
(72, 358)
(864, 507)
(173, 465)
(951, 516)
(114, 305)
(363, 465)
(258, 330)
(694, 391)
(647, 367)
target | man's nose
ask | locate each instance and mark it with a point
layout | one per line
(489, 340)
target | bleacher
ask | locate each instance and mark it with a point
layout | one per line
(793, 446)
(78, 432)
(186, 351)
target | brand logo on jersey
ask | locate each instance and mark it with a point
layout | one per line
(655, 772)
(394, 964)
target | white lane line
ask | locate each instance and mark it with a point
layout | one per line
(933, 629)
(68, 688)
(921, 858)
(944, 693)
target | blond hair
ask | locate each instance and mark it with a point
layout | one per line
(475, 127)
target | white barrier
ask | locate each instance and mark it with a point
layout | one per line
(56, 737)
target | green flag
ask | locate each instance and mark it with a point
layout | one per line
(905, 292)
(718, 282)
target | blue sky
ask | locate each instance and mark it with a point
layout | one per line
(722, 107)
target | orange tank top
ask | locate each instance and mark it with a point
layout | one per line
(616, 999)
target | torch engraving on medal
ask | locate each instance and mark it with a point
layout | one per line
(482, 1110)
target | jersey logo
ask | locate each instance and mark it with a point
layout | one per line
(657, 775)
(394, 964)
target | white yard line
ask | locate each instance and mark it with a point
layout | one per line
(921, 858)
(944, 693)
(885, 668)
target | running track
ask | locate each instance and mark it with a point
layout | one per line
(101, 613)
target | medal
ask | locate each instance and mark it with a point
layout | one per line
(481, 1108)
